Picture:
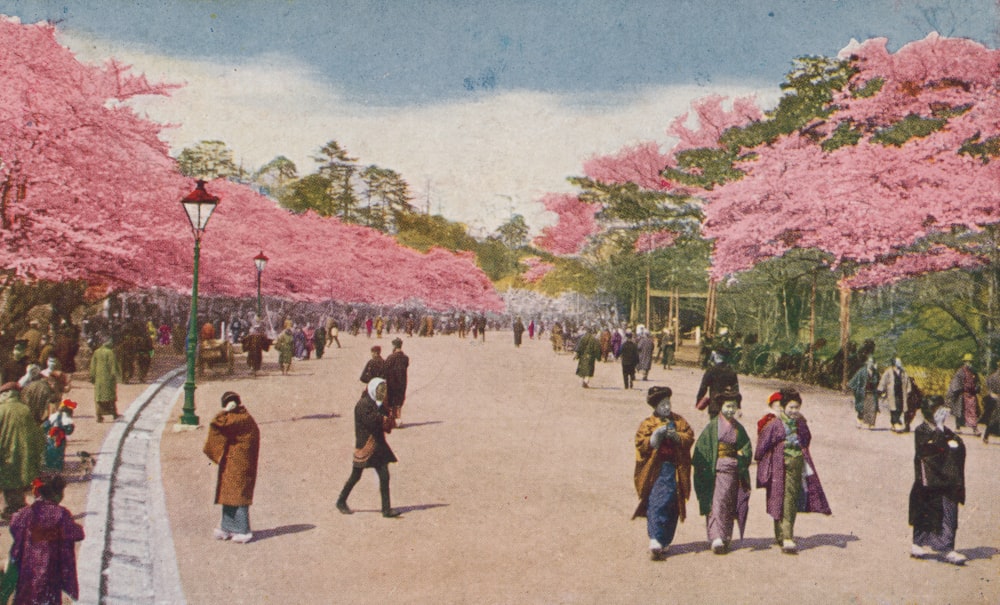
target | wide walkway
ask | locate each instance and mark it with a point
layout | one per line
(516, 487)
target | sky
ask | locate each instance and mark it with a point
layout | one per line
(482, 106)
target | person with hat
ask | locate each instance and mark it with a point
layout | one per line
(785, 469)
(662, 470)
(719, 377)
(774, 405)
(938, 484)
(105, 374)
(44, 537)
(233, 443)
(395, 372)
(375, 367)
(963, 396)
(21, 446)
(721, 463)
(57, 427)
(630, 359)
(371, 423)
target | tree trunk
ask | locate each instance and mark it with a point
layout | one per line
(845, 331)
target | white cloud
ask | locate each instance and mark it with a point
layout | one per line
(478, 157)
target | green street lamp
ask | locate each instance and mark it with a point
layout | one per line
(259, 261)
(198, 205)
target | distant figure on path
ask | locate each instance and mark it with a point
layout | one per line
(588, 350)
(719, 377)
(396, 367)
(284, 345)
(864, 385)
(518, 331)
(44, 538)
(662, 470)
(963, 396)
(938, 484)
(234, 444)
(371, 422)
(255, 343)
(629, 359)
(991, 406)
(785, 469)
(645, 346)
(105, 374)
(895, 386)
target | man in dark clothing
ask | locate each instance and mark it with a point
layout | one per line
(375, 368)
(719, 377)
(396, 365)
(629, 355)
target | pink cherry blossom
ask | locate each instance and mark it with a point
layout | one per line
(576, 224)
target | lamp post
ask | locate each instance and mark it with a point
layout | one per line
(259, 261)
(198, 205)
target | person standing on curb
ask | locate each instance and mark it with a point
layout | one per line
(234, 444)
(938, 484)
(105, 374)
(371, 422)
(43, 550)
(395, 369)
(662, 470)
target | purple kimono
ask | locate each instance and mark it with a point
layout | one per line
(44, 536)
(770, 457)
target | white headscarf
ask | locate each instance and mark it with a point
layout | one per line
(373, 386)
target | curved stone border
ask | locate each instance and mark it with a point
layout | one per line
(128, 554)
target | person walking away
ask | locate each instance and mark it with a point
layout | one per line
(721, 463)
(518, 331)
(719, 377)
(43, 550)
(21, 445)
(371, 422)
(630, 359)
(662, 470)
(895, 386)
(938, 484)
(645, 345)
(588, 350)
(309, 336)
(785, 469)
(37, 393)
(319, 342)
(57, 427)
(531, 330)
(963, 396)
(105, 374)
(233, 443)
(864, 385)
(396, 367)
(557, 338)
(334, 331)
(255, 343)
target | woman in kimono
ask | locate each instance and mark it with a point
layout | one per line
(662, 470)
(938, 484)
(864, 385)
(721, 463)
(786, 470)
(43, 550)
(234, 444)
(57, 427)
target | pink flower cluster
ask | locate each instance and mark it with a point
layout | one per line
(537, 269)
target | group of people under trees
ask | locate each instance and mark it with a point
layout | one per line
(900, 393)
(718, 469)
(636, 351)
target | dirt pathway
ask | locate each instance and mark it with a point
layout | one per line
(516, 487)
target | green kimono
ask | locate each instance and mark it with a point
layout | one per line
(706, 455)
(21, 443)
(105, 374)
(587, 351)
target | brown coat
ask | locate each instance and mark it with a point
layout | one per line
(234, 443)
(648, 463)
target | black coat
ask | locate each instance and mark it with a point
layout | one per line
(716, 379)
(629, 354)
(370, 421)
(939, 470)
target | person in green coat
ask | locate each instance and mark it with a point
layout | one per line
(721, 462)
(284, 346)
(588, 350)
(105, 373)
(21, 444)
